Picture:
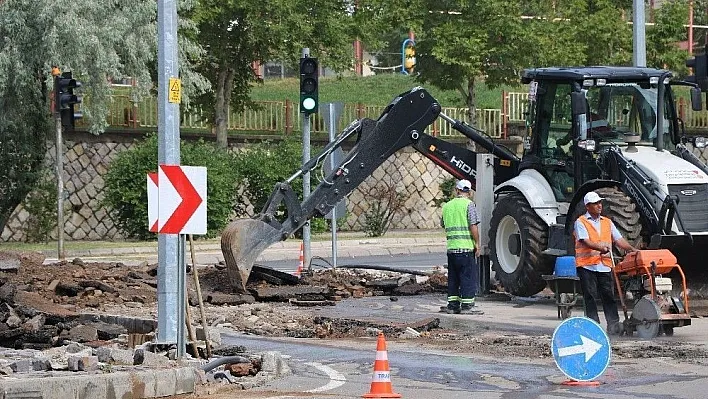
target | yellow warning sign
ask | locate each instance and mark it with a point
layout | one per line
(175, 95)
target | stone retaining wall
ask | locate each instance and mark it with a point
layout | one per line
(87, 158)
(414, 179)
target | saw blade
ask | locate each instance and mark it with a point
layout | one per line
(646, 317)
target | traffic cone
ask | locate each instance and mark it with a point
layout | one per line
(381, 382)
(301, 264)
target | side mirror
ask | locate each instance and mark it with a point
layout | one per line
(696, 101)
(579, 107)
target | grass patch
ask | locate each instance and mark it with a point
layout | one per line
(373, 90)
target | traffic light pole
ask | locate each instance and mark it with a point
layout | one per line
(306, 238)
(60, 175)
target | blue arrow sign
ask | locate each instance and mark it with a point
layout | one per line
(581, 349)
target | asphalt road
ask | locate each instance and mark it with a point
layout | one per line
(343, 369)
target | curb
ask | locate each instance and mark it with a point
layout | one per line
(122, 384)
(130, 382)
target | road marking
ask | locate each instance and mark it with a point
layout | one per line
(588, 347)
(336, 378)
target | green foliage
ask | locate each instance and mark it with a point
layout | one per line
(447, 187)
(237, 33)
(126, 188)
(41, 205)
(96, 40)
(662, 51)
(23, 128)
(384, 203)
(263, 165)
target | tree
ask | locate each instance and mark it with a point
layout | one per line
(663, 37)
(97, 40)
(237, 33)
(461, 43)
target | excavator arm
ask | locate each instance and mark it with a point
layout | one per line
(401, 124)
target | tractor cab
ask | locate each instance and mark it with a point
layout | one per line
(575, 112)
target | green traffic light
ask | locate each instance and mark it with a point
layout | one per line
(309, 104)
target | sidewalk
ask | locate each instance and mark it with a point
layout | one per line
(209, 251)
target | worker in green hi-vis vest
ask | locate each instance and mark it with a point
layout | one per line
(459, 218)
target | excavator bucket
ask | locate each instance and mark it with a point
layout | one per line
(242, 242)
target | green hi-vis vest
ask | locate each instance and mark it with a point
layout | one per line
(457, 227)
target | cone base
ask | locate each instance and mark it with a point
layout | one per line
(574, 383)
(381, 395)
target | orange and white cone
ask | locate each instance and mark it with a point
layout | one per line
(381, 383)
(301, 264)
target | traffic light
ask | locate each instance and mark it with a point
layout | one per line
(65, 101)
(309, 72)
(408, 57)
(699, 65)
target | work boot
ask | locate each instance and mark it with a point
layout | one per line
(470, 309)
(615, 328)
(450, 309)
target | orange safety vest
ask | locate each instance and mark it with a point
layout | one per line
(586, 256)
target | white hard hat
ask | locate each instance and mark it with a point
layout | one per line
(591, 198)
(463, 185)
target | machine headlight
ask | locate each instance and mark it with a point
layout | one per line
(588, 82)
(588, 145)
(700, 142)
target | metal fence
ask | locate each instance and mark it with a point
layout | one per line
(282, 117)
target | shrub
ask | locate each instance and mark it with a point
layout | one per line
(41, 205)
(447, 187)
(385, 203)
(126, 187)
(265, 164)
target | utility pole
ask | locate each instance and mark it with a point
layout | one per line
(639, 53)
(171, 269)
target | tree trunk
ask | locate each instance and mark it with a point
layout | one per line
(220, 110)
(224, 86)
(471, 109)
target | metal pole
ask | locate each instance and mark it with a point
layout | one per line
(171, 263)
(690, 27)
(332, 124)
(639, 55)
(484, 200)
(60, 175)
(306, 238)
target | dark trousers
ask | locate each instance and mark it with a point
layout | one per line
(598, 286)
(462, 276)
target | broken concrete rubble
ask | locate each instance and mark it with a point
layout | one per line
(62, 312)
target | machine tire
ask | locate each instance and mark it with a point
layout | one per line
(519, 275)
(620, 208)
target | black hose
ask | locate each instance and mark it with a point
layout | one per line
(224, 360)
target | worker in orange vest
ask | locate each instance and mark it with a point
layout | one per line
(594, 236)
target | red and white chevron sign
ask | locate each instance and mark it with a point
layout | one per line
(181, 200)
(152, 201)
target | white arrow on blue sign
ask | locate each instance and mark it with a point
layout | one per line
(581, 349)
